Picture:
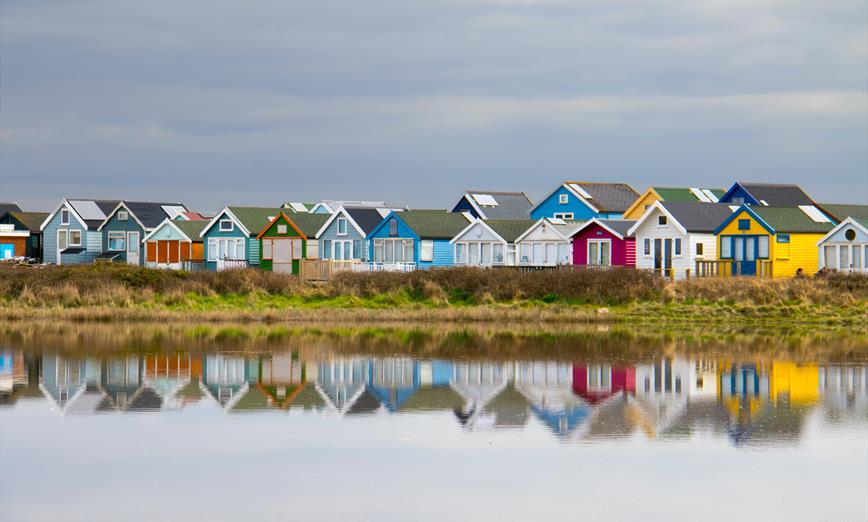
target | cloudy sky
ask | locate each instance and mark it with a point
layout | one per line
(414, 101)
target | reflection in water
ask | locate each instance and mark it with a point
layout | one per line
(750, 402)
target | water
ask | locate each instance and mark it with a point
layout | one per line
(118, 423)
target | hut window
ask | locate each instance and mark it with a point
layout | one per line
(426, 250)
(563, 215)
(393, 227)
(678, 246)
(326, 249)
(662, 220)
(226, 225)
(497, 250)
(783, 238)
(357, 249)
(267, 245)
(525, 253)
(117, 241)
(212, 250)
(725, 247)
(850, 234)
(342, 226)
(123, 215)
(763, 247)
(75, 238)
(647, 247)
(563, 199)
(699, 249)
(64, 217)
(460, 253)
(744, 224)
(281, 229)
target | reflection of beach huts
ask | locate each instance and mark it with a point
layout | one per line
(548, 388)
(845, 393)
(281, 385)
(65, 379)
(597, 382)
(226, 377)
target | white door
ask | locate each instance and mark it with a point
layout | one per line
(133, 248)
(62, 241)
(282, 256)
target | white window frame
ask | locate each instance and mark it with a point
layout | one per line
(680, 242)
(64, 216)
(267, 249)
(563, 199)
(426, 251)
(116, 235)
(564, 215)
(647, 247)
(339, 245)
(342, 221)
(600, 243)
(212, 249)
(69, 242)
(123, 215)
(460, 253)
(231, 225)
(665, 219)
(131, 248)
(282, 228)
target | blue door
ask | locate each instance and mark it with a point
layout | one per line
(7, 250)
(744, 254)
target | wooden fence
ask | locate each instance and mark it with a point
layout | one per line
(730, 268)
(324, 269)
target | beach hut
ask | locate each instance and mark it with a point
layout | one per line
(845, 247)
(125, 227)
(547, 243)
(343, 237)
(230, 239)
(604, 242)
(486, 243)
(583, 200)
(20, 222)
(70, 233)
(176, 244)
(671, 236)
(487, 204)
(286, 241)
(772, 241)
(416, 239)
(766, 195)
(672, 194)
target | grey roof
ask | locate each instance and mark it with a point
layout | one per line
(9, 207)
(510, 205)
(698, 217)
(608, 197)
(105, 205)
(778, 195)
(367, 218)
(621, 226)
(150, 213)
(842, 212)
(434, 224)
(509, 229)
(32, 221)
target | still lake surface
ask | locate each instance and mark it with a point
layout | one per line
(121, 425)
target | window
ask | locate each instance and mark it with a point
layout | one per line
(133, 242)
(426, 250)
(281, 229)
(849, 234)
(783, 238)
(763, 247)
(744, 224)
(267, 246)
(677, 246)
(393, 250)
(212, 250)
(123, 215)
(357, 249)
(485, 254)
(226, 225)
(647, 247)
(342, 250)
(599, 252)
(563, 215)
(829, 256)
(564, 254)
(75, 238)
(460, 253)
(700, 249)
(738, 200)
(473, 253)
(222, 248)
(117, 241)
(327, 249)
(563, 199)
(497, 253)
(64, 216)
(342, 226)
(524, 253)
(393, 227)
(662, 220)
(510, 255)
(726, 247)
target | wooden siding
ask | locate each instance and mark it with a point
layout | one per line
(596, 232)
(551, 206)
(49, 235)
(444, 255)
(331, 234)
(214, 232)
(130, 225)
(404, 232)
(19, 244)
(271, 233)
(650, 230)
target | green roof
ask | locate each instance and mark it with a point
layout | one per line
(509, 229)
(431, 399)
(309, 224)
(791, 219)
(254, 219)
(434, 224)
(678, 194)
(32, 220)
(191, 229)
(842, 212)
(307, 398)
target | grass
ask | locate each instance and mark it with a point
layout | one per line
(106, 292)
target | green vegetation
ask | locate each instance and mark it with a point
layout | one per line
(107, 292)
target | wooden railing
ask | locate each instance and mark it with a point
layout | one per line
(384, 267)
(324, 269)
(565, 268)
(730, 268)
(193, 266)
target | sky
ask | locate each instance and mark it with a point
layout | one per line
(412, 102)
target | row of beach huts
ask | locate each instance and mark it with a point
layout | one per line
(751, 229)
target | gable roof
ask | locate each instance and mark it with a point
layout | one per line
(510, 229)
(507, 205)
(308, 224)
(841, 211)
(564, 227)
(601, 197)
(9, 207)
(148, 214)
(298, 207)
(792, 219)
(686, 194)
(30, 220)
(618, 227)
(250, 219)
(688, 217)
(773, 194)
(850, 221)
(332, 205)
(431, 224)
(365, 217)
(191, 229)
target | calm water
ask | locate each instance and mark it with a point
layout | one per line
(117, 430)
